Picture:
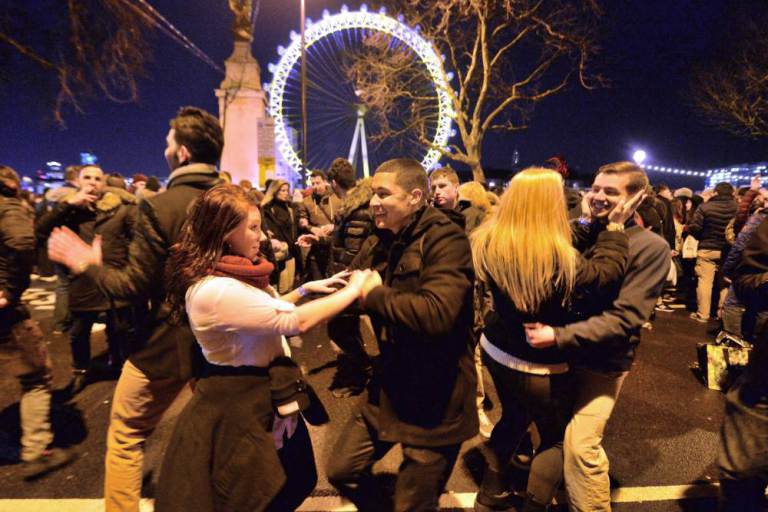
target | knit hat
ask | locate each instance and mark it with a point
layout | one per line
(684, 192)
(139, 177)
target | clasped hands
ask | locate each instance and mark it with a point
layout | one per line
(362, 281)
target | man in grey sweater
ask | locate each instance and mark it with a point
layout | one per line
(602, 346)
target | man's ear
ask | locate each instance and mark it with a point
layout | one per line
(184, 154)
(416, 196)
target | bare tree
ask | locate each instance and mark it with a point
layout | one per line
(501, 58)
(101, 49)
(732, 93)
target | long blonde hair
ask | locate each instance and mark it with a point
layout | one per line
(525, 247)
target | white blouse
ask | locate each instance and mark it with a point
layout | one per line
(237, 324)
(241, 325)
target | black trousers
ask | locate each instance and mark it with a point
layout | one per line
(123, 336)
(546, 400)
(420, 479)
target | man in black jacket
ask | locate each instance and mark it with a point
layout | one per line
(153, 377)
(91, 211)
(602, 347)
(23, 351)
(708, 226)
(422, 391)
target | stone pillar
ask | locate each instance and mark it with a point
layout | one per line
(242, 110)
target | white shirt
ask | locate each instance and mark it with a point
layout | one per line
(237, 324)
(240, 325)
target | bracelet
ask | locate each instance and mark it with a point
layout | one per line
(614, 226)
(302, 291)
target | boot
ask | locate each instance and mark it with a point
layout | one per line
(79, 381)
(532, 505)
(495, 493)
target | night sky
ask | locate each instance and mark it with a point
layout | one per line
(648, 49)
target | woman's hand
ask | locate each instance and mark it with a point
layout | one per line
(624, 210)
(539, 335)
(307, 240)
(372, 281)
(328, 285)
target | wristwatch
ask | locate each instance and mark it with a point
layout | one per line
(614, 226)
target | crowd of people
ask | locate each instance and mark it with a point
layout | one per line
(211, 284)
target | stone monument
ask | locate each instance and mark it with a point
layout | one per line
(249, 148)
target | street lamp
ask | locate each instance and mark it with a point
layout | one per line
(304, 145)
(639, 156)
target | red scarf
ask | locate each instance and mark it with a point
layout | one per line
(252, 273)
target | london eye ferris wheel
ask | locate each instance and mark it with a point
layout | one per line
(339, 122)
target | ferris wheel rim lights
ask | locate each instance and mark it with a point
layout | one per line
(362, 19)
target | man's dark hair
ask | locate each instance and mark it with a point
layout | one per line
(200, 133)
(317, 172)
(409, 174)
(638, 180)
(153, 184)
(724, 189)
(342, 172)
(661, 187)
(116, 180)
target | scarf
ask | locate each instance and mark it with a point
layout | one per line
(252, 273)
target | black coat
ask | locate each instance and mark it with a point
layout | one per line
(17, 255)
(352, 226)
(710, 220)
(108, 217)
(423, 387)
(170, 349)
(599, 274)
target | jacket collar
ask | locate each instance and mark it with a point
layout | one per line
(359, 196)
(180, 174)
(424, 219)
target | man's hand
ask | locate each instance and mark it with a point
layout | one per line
(3, 300)
(372, 281)
(82, 198)
(327, 229)
(65, 247)
(539, 335)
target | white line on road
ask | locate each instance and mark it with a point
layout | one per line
(337, 504)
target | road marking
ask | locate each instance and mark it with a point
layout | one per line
(337, 504)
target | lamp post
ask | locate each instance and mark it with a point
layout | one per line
(304, 145)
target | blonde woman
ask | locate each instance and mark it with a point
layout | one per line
(524, 254)
(478, 207)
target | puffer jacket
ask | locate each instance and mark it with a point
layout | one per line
(353, 224)
(110, 217)
(710, 220)
(17, 255)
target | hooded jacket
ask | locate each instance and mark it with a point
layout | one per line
(353, 224)
(17, 255)
(423, 387)
(112, 219)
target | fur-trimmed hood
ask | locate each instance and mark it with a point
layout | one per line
(359, 196)
(111, 199)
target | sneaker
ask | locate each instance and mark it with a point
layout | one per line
(98, 327)
(664, 308)
(48, 279)
(50, 460)
(486, 425)
(350, 379)
(699, 318)
(676, 306)
(648, 325)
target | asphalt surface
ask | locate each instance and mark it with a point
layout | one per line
(663, 431)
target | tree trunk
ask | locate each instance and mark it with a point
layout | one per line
(477, 173)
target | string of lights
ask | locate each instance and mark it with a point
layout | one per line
(159, 21)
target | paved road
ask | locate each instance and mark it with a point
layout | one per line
(662, 437)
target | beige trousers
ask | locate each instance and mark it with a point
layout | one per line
(585, 462)
(137, 407)
(707, 261)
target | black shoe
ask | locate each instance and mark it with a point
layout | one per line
(50, 460)
(495, 493)
(350, 379)
(79, 381)
(532, 505)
